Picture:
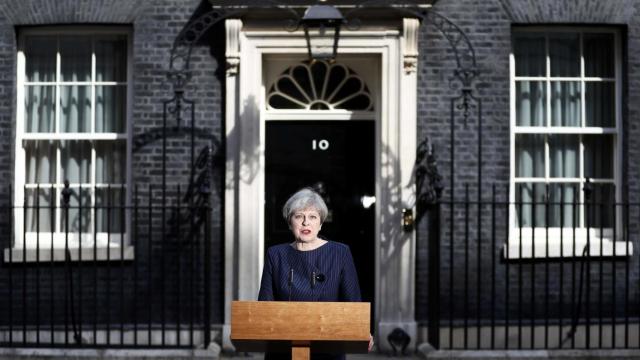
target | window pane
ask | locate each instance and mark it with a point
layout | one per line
(564, 52)
(564, 207)
(111, 58)
(564, 155)
(79, 211)
(600, 100)
(111, 108)
(110, 211)
(601, 208)
(39, 215)
(280, 102)
(565, 103)
(76, 161)
(75, 58)
(529, 155)
(40, 108)
(598, 156)
(528, 196)
(599, 55)
(40, 161)
(530, 103)
(75, 102)
(110, 162)
(529, 53)
(40, 56)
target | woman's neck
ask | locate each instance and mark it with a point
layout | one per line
(309, 245)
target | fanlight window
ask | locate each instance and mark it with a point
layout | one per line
(319, 86)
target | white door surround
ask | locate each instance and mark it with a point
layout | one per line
(394, 53)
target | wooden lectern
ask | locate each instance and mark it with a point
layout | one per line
(300, 327)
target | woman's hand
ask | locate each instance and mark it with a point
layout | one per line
(370, 342)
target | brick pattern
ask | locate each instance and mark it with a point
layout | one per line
(155, 26)
(488, 25)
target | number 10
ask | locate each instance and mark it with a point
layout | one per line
(323, 144)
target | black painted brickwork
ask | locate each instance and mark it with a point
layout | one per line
(155, 25)
(488, 25)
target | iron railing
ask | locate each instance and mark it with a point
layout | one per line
(134, 274)
(497, 282)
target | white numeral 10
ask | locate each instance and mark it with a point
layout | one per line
(323, 144)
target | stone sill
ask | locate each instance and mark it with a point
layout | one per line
(598, 247)
(17, 255)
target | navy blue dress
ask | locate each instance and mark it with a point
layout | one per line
(323, 274)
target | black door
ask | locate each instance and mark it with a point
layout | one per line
(337, 159)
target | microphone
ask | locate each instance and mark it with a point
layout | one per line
(290, 282)
(319, 277)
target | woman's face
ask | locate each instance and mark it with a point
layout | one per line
(305, 224)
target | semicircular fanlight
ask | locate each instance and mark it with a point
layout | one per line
(319, 86)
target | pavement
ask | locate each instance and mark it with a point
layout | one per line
(213, 354)
(370, 356)
(608, 354)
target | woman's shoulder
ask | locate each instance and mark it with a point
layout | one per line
(278, 249)
(338, 246)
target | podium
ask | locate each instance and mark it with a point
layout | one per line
(300, 327)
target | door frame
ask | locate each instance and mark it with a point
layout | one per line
(396, 130)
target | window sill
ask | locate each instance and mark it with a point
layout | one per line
(19, 255)
(597, 248)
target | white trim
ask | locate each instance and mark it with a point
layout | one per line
(333, 115)
(551, 244)
(74, 136)
(326, 96)
(410, 34)
(43, 239)
(233, 29)
(244, 195)
(563, 130)
(101, 253)
(20, 157)
(563, 29)
(520, 244)
(563, 79)
(78, 83)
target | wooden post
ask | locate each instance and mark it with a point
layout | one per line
(300, 350)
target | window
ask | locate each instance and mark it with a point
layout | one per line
(320, 86)
(71, 125)
(566, 124)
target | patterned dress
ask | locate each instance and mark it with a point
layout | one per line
(323, 274)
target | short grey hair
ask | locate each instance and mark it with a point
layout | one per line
(304, 199)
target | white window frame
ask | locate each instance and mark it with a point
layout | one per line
(559, 242)
(37, 246)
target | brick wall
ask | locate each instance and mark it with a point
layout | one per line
(488, 26)
(155, 25)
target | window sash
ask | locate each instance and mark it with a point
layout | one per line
(122, 81)
(547, 129)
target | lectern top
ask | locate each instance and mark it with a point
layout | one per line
(306, 321)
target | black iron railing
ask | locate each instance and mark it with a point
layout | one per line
(129, 271)
(536, 271)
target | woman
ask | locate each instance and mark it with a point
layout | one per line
(310, 268)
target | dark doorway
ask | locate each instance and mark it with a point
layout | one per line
(337, 158)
